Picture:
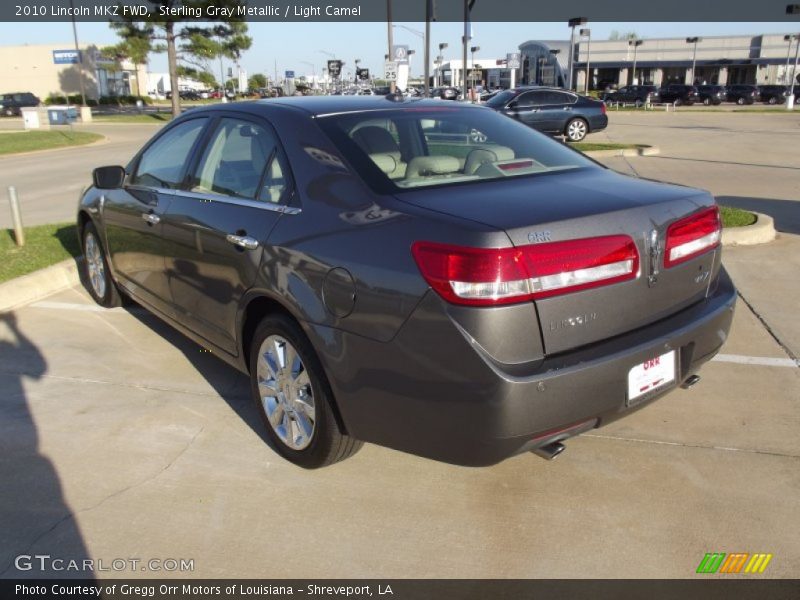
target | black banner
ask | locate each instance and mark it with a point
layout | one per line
(400, 589)
(403, 10)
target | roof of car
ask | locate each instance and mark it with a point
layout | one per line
(325, 105)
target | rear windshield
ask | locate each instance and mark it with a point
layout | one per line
(416, 148)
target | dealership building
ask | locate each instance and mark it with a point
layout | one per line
(750, 59)
(46, 69)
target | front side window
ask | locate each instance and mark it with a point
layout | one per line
(404, 149)
(235, 162)
(163, 164)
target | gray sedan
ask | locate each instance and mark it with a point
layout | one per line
(435, 278)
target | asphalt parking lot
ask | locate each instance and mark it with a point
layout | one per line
(122, 439)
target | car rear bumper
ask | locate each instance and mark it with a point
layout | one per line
(432, 391)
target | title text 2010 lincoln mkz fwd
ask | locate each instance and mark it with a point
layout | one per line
(442, 280)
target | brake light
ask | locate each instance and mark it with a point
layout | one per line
(692, 236)
(603, 107)
(492, 276)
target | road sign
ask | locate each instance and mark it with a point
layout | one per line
(400, 54)
(390, 70)
(289, 74)
(512, 60)
(363, 74)
(334, 68)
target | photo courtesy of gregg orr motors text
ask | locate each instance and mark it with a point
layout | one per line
(46, 563)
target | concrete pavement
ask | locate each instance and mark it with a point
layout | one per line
(121, 438)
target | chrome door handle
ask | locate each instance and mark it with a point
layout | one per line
(151, 218)
(243, 241)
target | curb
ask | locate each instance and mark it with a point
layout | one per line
(35, 286)
(760, 232)
(628, 152)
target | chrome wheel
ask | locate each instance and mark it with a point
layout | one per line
(285, 391)
(576, 130)
(95, 266)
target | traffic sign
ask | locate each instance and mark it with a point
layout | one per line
(289, 74)
(512, 60)
(390, 70)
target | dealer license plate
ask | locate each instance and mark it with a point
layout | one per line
(651, 375)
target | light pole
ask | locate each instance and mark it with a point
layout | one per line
(440, 79)
(80, 56)
(790, 100)
(693, 40)
(587, 33)
(410, 52)
(635, 43)
(313, 73)
(389, 35)
(472, 51)
(573, 23)
(789, 38)
(358, 78)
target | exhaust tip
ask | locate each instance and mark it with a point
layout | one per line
(549, 451)
(690, 382)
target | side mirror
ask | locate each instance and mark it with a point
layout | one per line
(108, 178)
(512, 104)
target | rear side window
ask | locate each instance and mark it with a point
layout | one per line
(164, 162)
(241, 160)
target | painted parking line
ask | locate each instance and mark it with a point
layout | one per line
(74, 306)
(764, 361)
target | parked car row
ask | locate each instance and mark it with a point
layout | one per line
(679, 94)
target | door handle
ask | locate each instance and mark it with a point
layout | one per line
(243, 241)
(151, 218)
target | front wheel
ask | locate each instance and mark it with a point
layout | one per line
(101, 285)
(576, 130)
(294, 397)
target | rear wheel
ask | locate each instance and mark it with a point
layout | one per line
(576, 130)
(101, 285)
(293, 396)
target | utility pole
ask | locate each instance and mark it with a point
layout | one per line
(693, 40)
(80, 56)
(392, 86)
(573, 23)
(428, 19)
(587, 33)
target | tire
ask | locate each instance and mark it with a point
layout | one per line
(740, 101)
(772, 100)
(678, 102)
(706, 101)
(295, 400)
(95, 269)
(576, 130)
(638, 103)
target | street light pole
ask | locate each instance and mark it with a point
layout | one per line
(427, 58)
(587, 33)
(80, 56)
(473, 50)
(788, 38)
(573, 23)
(693, 40)
(635, 43)
(389, 32)
(440, 79)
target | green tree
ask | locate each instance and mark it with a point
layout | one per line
(204, 77)
(625, 35)
(256, 81)
(182, 38)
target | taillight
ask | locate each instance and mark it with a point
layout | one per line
(491, 276)
(691, 236)
(603, 107)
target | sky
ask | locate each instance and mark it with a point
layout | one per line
(302, 47)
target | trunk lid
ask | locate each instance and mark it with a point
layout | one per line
(583, 204)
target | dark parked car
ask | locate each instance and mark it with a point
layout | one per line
(12, 104)
(678, 94)
(711, 94)
(446, 93)
(464, 299)
(636, 94)
(774, 94)
(742, 94)
(552, 110)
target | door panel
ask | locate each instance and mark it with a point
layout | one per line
(527, 108)
(215, 231)
(132, 215)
